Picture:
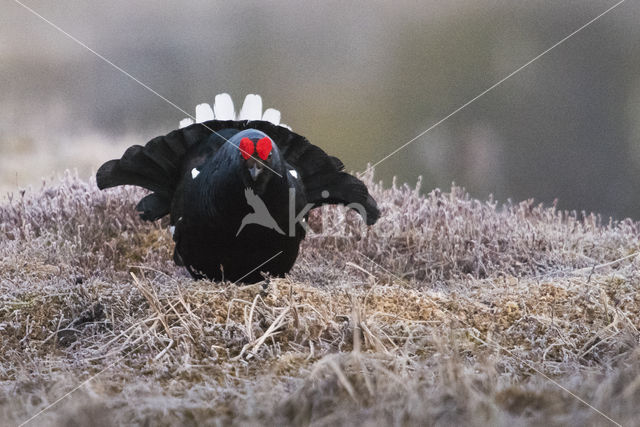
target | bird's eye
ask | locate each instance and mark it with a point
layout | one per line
(263, 147)
(246, 148)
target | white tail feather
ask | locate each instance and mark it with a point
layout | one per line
(271, 115)
(223, 107)
(252, 108)
(185, 122)
(203, 113)
(223, 110)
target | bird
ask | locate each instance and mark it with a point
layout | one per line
(238, 189)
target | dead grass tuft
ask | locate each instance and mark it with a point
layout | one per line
(450, 310)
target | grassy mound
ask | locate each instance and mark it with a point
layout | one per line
(448, 311)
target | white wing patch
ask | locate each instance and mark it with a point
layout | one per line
(185, 122)
(194, 173)
(293, 173)
(271, 115)
(223, 107)
(172, 230)
(203, 113)
(252, 108)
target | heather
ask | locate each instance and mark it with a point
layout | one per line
(449, 310)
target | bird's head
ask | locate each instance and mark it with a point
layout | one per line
(260, 158)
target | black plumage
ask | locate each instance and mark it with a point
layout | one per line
(216, 195)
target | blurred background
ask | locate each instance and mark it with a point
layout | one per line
(357, 78)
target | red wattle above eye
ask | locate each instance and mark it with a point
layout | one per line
(246, 148)
(264, 147)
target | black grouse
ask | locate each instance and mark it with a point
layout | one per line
(236, 190)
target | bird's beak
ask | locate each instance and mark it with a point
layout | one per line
(255, 170)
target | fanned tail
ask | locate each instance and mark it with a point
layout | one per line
(162, 163)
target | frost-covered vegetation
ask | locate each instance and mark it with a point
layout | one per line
(448, 311)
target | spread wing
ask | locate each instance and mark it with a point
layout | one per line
(162, 163)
